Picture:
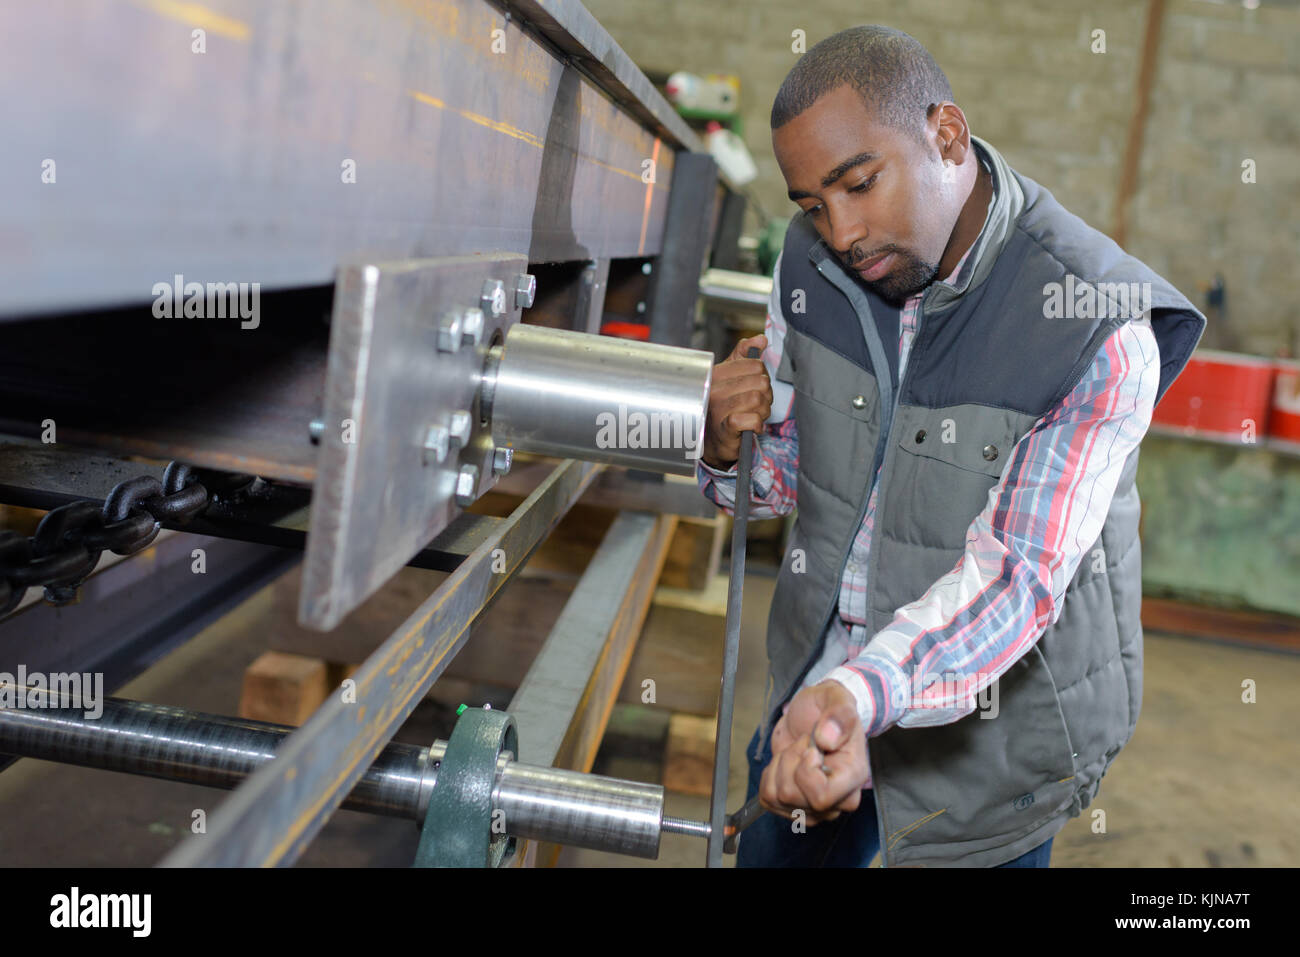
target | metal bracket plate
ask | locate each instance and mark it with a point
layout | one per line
(380, 496)
(458, 828)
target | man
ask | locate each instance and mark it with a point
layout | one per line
(955, 377)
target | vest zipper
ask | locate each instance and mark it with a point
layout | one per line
(882, 829)
(876, 349)
(886, 432)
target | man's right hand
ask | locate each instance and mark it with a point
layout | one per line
(740, 400)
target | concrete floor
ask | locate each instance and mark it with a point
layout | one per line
(1206, 781)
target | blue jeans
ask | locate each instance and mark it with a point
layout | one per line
(851, 840)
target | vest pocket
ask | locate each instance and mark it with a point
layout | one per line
(932, 499)
(830, 379)
(835, 450)
(837, 406)
(984, 450)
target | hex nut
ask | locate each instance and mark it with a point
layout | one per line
(472, 327)
(450, 328)
(502, 459)
(466, 483)
(436, 444)
(462, 426)
(494, 297)
(525, 290)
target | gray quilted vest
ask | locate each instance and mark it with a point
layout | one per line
(986, 363)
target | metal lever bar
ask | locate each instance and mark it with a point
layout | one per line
(731, 650)
(740, 820)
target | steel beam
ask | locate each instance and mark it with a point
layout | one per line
(204, 392)
(583, 660)
(735, 291)
(275, 814)
(688, 235)
(577, 35)
(622, 489)
(563, 704)
(292, 137)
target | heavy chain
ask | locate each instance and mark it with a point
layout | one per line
(70, 539)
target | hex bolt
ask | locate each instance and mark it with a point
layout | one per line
(502, 459)
(525, 290)
(494, 298)
(436, 444)
(471, 332)
(462, 425)
(450, 329)
(466, 483)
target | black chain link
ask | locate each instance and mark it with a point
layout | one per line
(70, 539)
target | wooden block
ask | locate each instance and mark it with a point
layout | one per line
(336, 672)
(694, 552)
(688, 757)
(20, 520)
(284, 689)
(710, 601)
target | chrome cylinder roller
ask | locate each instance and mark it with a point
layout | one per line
(583, 810)
(597, 398)
(536, 803)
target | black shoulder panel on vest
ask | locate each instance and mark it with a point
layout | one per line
(1001, 344)
(996, 347)
(1092, 255)
(811, 304)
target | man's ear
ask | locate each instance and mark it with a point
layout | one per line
(952, 133)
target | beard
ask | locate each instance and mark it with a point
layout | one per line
(910, 275)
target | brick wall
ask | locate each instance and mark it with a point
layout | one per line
(1227, 89)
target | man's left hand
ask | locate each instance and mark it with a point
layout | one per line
(794, 778)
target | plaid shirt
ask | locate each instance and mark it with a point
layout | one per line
(1021, 550)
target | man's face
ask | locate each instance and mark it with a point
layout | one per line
(875, 194)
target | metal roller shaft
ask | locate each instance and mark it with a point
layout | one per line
(584, 810)
(545, 804)
(598, 398)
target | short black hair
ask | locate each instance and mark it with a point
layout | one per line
(894, 74)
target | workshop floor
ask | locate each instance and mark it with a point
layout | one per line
(1207, 781)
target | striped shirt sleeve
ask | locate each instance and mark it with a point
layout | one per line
(776, 453)
(928, 666)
